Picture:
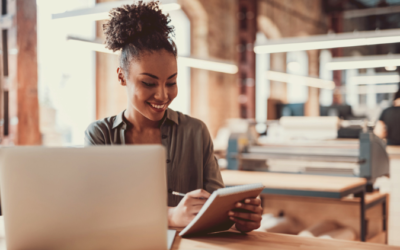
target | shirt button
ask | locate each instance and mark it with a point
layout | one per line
(168, 161)
(164, 136)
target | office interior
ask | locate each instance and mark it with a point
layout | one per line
(291, 92)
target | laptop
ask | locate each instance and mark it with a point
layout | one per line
(84, 198)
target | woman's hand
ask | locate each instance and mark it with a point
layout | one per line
(187, 209)
(247, 215)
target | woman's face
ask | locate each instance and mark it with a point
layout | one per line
(151, 83)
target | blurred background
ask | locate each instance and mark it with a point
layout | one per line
(272, 79)
(271, 59)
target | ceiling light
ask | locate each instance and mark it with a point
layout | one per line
(101, 10)
(193, 62)
(305, 80)
(375, 79)
(213, 65)
(390, 68)
(329, 41)
(363, 62)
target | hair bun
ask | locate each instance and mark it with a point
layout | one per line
(136, 23)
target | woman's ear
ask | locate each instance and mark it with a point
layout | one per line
(121, 76)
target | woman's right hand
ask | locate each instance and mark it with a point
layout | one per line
(187, 209)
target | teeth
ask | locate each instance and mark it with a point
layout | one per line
(157, 106)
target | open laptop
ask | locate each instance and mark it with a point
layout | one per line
(84, 198)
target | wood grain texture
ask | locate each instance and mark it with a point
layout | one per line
(261, 240)
(292, 181)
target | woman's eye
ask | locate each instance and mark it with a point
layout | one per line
(171, 84)
(148, 84)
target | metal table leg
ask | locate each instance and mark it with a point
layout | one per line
(363, 232)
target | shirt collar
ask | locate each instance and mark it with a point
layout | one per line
(119, 119)
(170, 115)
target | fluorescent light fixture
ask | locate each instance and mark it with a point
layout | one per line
(390, 68)
(89, 45)
(329, 41)
(378, 89)
(100, 11)
(363, 62)
(382, 78)
(306, 80)
(198, 63)
(213, 65)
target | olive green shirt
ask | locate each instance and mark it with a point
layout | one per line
(191, 163)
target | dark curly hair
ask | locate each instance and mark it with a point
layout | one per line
(136, 28)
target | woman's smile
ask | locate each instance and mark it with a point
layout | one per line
(158, 107)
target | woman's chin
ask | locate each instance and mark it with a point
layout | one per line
(155, 116)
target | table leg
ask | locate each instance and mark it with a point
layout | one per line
(384, 214)
(363, 232)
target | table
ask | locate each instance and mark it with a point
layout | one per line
(264, 240)
(303, 185)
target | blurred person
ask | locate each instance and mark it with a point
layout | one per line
(148, 70)
(388, 125)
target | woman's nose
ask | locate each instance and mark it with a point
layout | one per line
(161, 93)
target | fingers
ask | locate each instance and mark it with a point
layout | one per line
(253, 201)
(199, 193)
(245, 216)
(251, 208)
(245, 226)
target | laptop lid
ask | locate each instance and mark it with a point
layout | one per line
(84, 198)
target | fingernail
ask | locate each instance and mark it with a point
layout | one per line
(238, 204)
(231, 218)
(231, 213)
(247, 201)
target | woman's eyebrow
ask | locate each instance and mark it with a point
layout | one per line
(148, 74)
(172, 76)
(156, 77)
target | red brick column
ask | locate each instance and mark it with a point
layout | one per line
(20, 113)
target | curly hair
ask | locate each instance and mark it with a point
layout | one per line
(136, 28)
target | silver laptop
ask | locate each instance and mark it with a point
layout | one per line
(84, 198)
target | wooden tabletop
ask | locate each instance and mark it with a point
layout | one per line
(263, 240)
(320, 183)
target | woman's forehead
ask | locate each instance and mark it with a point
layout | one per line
(162, 64)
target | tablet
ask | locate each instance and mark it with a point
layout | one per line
(213, 216)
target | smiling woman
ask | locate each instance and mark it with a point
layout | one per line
(148, 70)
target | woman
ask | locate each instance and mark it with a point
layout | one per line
(388, 125)
(148, 70)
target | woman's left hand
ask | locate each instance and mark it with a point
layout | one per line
(248, 214)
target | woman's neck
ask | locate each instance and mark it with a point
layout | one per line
(396, 102)
(139, 121)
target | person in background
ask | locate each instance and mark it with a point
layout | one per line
(148, 71)
(388, 125)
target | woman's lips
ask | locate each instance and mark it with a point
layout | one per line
(158, 107)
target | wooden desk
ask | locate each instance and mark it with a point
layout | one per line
(262, 240)
(303, 185)
(297, 184)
